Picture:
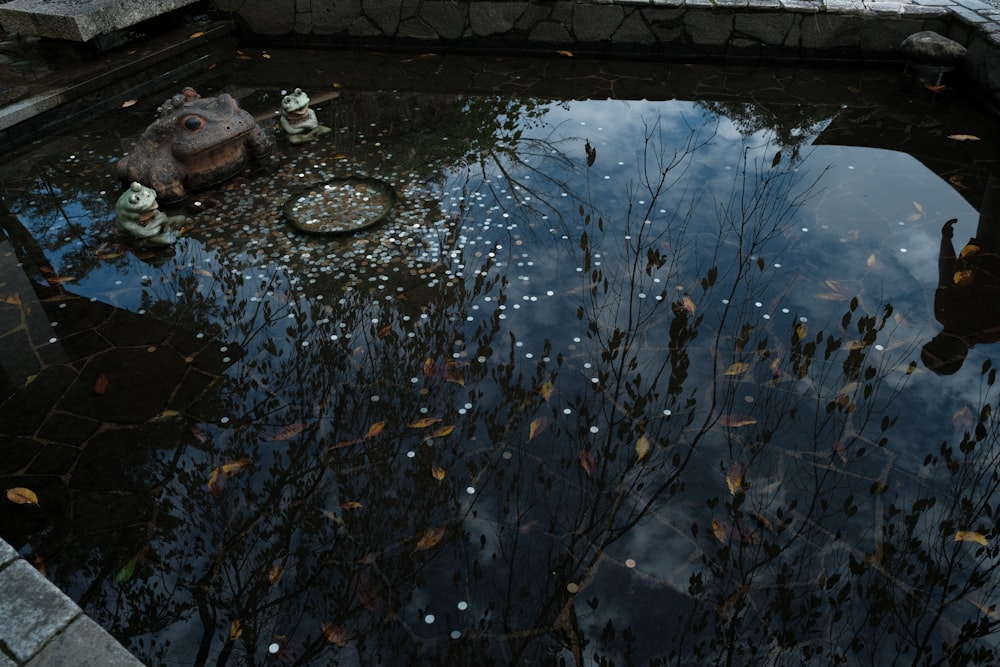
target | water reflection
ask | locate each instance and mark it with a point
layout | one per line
(601, 392)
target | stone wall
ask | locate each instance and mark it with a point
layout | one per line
(679, 29)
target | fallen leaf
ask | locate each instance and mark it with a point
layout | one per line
(736, 421)
(437, 472)
(562, 52)
(13, 299)
(688, 304)
(335, 634)
(721, 530)
(196, 35)
(275, 573)
(940, 88)
(235, 630)
(375, 429)
(430, 368)
(737, 368)
(546, 390)
(350, 505)
(128, 103)
(734, 477)
(219, 475)
(537, 426)
(963, 137)
(957, 182)
(872, 261)
(642, 446)
(22, 496)
(127, 570)
(101, 384)
(289, 432)
(429, 539)
(424, 422)
(452, 372)
(970, 536)
(384, 331)
(442, 432)
(588, 462)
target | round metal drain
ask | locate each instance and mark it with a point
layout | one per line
(341, 205)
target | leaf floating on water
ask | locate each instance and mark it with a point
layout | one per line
(430, 368)
(957, 182)
(290, 431)
(872, 261)
(335, 634)
(127, 570)
(963, 137)
(537, 426)
(351, 505)
(688, 304)
(22, 496)
(375, 429)
(101, 384)
(588, 462)
(737, 368)
(275, 573)
(235, 630)
(424, 422)
(453, 372)
(443, 431)
(438, 473)
(642, 446)
(546, 390)
(736, 421)
(429, 539)
(721, 530)
(734, 477)
(384, 332)
(217, 480)
(970, 536)
(128, 103)
(563, 52)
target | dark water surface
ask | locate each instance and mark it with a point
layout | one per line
(631, 375)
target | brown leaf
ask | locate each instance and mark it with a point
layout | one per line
(101, 384)
(452, 372)
(546, 390)
(384, 331)
(737, 368)
(235, 630)
(442, 432)
(128, 103)
(736, 421)
(350, 505)
(275, 573)
(588, 462)
(217, 480)
(22, 496)
(424, 422)
(335, 634)
(13, 299)
(430, 538)
(688, 304)
(290, 431)
(563, 52)
(734, 477)
(430, 368)
(537, 426)
(437, 472)
(196, 35)
(963, 137)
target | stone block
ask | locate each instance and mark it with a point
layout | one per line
(550, 32)
(83, 643)
(7, 553)
(32, 608)
(415, 28)
(634, 30)
(708, 28)
(447, 19)
(330, 18)
(487, 18)
(265, 17)
(80, 20)
(830, 32)
(596, 23)
(771, 28)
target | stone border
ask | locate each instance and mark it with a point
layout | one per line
(793, 30)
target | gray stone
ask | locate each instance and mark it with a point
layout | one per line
(265, 17)
(764, 4)
(550, 32)
(634, 30)
(596, 23)
(532, 16)
(487, 18)
(928, 46)
(822, 32)
(415, 28)
(770, 29)
(79, 20)
(446, 18)
(708, 28)
(7, 553)
(32, 609)
(879, 36)
(83, 644)
(802, 6)
(331, 17)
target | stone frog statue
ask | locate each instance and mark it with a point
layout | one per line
(193, 144)
(138, 214)
(298, 120)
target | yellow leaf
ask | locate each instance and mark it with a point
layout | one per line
(872, 261)
(962, 277)
(970, 536)
(442, 432)
(235, 630)
(735, 421)
(734, 477)
(917, 205)
(424, 422)
(969, 249)
(437, 472)
(430, 368)
(128, 103)
(546, 390)
(737, 368)
(537, 426)
(350, 505)
(642, 446)
(721, 530)
(335, 634)
(562, 52)
(375, 429)
(22, 496)
(688, 304)
(430, 538)
(265, 56)
(196, 35)
(963, 137)
(222, 473)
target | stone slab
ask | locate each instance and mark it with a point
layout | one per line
(83, 644)
(32, 610)
(7, 553)
(80, 20)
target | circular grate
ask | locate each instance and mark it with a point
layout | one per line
(341, 205)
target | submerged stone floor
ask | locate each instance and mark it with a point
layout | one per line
(39, 625)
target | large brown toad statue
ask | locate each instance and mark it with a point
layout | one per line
(193, 144)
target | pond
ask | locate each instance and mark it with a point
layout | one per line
(633, 373)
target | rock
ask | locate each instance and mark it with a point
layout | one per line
(928, 46)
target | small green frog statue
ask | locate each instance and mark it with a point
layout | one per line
(298, 120)
(138, 214)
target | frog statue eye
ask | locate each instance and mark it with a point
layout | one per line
(193, 123)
